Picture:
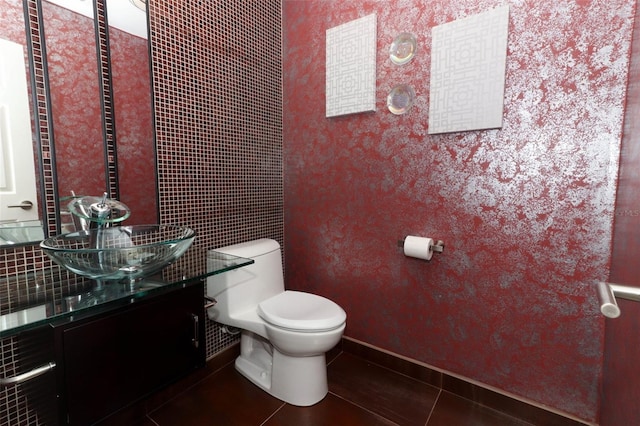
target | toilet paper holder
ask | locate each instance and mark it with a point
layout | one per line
(437, 247)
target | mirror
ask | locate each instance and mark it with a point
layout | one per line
(95, 160)
(131, 76)
(74, 90)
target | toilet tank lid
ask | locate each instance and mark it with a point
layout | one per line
(250, 249)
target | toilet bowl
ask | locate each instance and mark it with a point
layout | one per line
(285, 334)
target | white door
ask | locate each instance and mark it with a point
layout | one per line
(17, 169)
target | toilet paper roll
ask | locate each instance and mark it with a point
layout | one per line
(418, 247)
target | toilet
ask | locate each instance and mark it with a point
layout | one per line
(285, 334)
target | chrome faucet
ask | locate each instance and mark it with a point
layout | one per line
(91, 216)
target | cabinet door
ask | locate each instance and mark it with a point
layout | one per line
(111, 362)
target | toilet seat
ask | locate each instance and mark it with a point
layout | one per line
(296, 310)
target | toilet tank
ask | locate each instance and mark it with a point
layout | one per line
(241, 289)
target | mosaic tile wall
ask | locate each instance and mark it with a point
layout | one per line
(217, 79)
(218, 97)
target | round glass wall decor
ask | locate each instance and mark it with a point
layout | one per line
(400, 99)
(403, 49)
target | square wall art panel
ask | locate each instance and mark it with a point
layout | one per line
(351, 67)
(468, 62)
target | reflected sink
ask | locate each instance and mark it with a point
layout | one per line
(119, 252)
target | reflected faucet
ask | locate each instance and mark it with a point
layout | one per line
(97, 212)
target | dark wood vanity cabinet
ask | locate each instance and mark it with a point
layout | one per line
(112, 360)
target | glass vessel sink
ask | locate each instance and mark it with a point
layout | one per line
(119, 252)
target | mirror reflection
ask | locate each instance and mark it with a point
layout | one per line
(133, 113)
(75, 100)
(75, 95)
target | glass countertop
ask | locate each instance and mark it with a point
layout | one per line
(54, 298)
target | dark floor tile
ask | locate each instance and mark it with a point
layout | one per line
(504, 404)
(331, 411)
(145, 422)
(454, 410)
(398, 398)
(224, 398)
(133, 415)
(142, 421)
(392, 362)
(221, 360)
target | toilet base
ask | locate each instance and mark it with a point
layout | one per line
(300, 381)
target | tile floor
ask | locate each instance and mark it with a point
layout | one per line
(360, 393)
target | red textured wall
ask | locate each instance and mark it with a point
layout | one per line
(77, 117)
(525, 211)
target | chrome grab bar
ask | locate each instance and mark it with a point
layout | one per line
(608, 305)
(607, 293)
(626, 292)
(21, 378)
